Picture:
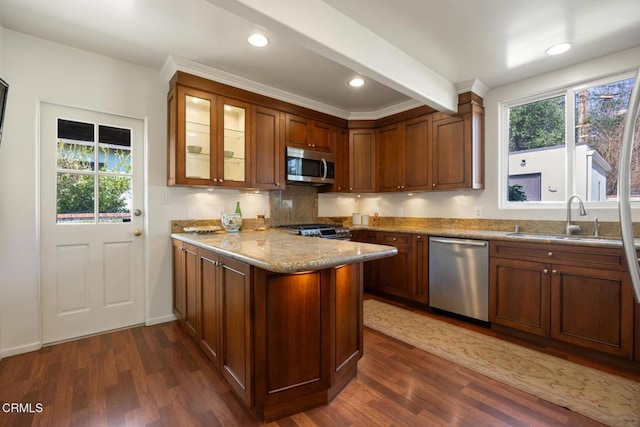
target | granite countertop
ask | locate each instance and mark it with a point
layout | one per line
(582, 240)
(283, 251)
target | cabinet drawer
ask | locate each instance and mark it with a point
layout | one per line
(610, 258)
(396, 239)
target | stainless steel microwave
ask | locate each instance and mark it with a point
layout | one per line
(310, 167)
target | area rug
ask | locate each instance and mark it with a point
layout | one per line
(604, 397)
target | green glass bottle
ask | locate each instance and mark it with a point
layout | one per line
(239, 212)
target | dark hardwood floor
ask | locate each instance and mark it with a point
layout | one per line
(157, 376)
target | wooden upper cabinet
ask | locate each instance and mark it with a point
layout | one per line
(321, 136)
(339, 143)
(404, 155)
(458, 148)
(298, 131)
(417, 167)
(390, 157)
(267, 148)
(234, 129)
(192, 137)
(208, 139)
(362, 161)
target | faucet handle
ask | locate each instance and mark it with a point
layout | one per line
(596, 227)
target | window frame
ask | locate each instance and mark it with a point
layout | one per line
(569, 92)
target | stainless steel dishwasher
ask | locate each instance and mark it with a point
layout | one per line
(459, 276)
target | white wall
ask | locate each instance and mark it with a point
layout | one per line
(462, 204)
(38, 70)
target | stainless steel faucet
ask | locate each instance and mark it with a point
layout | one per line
(574, 228)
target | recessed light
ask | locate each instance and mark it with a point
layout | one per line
(356, 82)
(258, 40)
(558, 49)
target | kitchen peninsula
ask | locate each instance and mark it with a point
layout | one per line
(279, 315)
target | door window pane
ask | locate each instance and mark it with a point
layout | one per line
(114, 203)
(75, 198)
(115, 149)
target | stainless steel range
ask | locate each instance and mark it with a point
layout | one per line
(325, 231)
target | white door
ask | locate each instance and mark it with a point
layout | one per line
(91, 193)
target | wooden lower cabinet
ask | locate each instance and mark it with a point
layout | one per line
(185, 291)
(519, 295)
(592, 308)
(580, 295)
(395, 271)
(420, 268)
(285, 343)
(405, 275)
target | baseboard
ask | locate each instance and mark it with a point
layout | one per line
(158, 320)
(8, 352)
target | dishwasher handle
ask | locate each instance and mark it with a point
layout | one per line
(460, 242)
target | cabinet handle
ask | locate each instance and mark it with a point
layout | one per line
(221, 180)
(419, 237)
(554, 271)
(433, 185)
(550, 254)
(402, 186)
(394, 239)
(350, 188)
(398, 187)
(215, 179)
(545, 271)
(278, 184)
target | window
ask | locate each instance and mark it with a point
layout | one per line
(568, 142)
(84, 189)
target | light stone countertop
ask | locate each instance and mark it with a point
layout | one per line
(581, 240)
(281, 251)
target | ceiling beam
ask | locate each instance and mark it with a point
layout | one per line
(326, 31)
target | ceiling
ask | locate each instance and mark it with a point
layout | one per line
(409, 51)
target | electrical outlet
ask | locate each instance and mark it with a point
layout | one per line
(477, 212)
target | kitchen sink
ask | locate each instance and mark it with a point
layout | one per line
(577, 238)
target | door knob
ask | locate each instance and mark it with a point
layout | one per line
(137, 232)
(137, 212)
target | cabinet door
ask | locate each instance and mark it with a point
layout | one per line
(395, 272)
(297, 133)
(417, 154)
(346, 320)
(519, 295)
(209, 305)
(390, 158)
(451, 154)
(341, 149)
(232, 149)
(592, 308)
(191, 319)
(179, 283)
(267, 149)
(321, 136)
(195, 137)
(236, 360)
(420, 268)
(362, 158)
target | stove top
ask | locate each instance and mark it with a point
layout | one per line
(325, 231)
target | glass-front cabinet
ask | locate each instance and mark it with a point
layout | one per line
(233, 145)
(207, 139)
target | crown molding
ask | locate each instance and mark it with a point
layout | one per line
(473, 85)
